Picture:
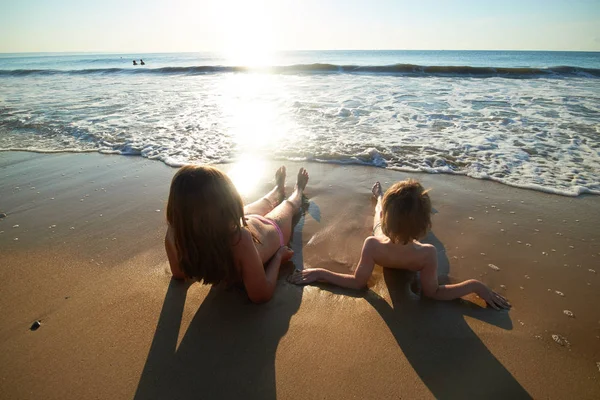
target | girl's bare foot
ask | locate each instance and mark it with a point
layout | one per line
(280, 182)
(376, 190)
(302, 180)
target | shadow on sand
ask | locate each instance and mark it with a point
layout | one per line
(436, 340)
(229, 348)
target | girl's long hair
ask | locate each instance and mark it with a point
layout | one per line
(205, 212)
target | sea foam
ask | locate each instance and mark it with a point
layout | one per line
(540, 133)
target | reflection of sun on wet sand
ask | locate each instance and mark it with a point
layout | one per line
(109, 311)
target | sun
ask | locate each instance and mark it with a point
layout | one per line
(247, 34)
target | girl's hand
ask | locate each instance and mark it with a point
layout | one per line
(492, 298)
(305, 276)
(285, 253)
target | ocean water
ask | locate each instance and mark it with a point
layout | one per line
(527, 119)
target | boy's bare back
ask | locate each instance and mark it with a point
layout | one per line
(412, 256)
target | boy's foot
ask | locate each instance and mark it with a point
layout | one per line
(302, 180)
(376, 190)
(280, 182)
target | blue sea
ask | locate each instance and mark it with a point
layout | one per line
(526, 119)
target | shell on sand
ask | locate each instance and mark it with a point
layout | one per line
(561, 340)
(492, 266)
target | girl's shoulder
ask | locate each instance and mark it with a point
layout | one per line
(242, 239)
(170, 235)
(242, 246)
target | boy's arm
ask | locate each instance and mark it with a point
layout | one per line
(358, 280)
(431, 288)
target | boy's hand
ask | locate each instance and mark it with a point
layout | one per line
(305, 276)
(492, 298)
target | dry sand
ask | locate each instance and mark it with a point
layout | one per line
(89, 263)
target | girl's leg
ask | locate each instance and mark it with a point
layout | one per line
(271, 199)
(284, 212)
(378, 193)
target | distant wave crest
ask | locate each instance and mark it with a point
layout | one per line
(396, 69)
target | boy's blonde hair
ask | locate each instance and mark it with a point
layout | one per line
(406, 213)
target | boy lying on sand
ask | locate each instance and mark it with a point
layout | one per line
(402, 216)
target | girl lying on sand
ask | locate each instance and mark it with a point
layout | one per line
(402, 216)
(213, 237)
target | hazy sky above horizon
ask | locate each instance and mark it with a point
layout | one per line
(265, 25)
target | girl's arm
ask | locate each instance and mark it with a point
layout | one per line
(172, 256)
(260, 281)
(358, 280)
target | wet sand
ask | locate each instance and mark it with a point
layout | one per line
(81, 250)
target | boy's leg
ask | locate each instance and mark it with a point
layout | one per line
(378, 193)
(268, 202)
(284, 212)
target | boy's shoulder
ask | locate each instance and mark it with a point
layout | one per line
(411, 256)
(384, 240)
(373, 241)
(383, 243)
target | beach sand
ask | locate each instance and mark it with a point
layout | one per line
(89, 264)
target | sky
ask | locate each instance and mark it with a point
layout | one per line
(268, 25)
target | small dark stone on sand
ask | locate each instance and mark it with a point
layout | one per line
(2, 215)
(35, 325)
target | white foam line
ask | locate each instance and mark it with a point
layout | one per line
(50, 151)
(577, 190)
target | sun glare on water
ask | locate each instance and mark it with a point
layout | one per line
(254, 122)
(247, 37)
(247, 173)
